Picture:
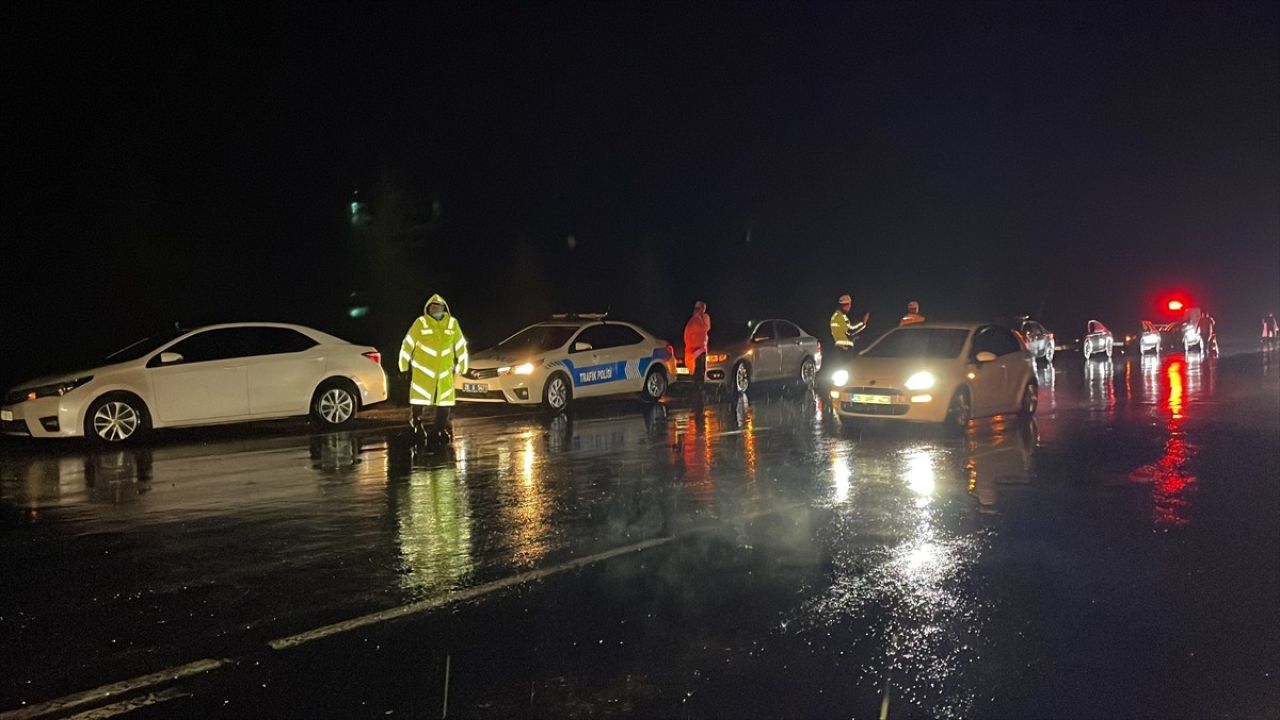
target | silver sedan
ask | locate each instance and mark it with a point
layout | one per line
(1098, 341)
(769, 350)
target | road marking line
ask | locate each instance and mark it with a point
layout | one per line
(456, 597)
(127, 706)
(119, 688)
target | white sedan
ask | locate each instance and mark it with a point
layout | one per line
(938, 373)
(568, 357)
(208, 376)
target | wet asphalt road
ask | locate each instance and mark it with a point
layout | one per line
(1117, 557)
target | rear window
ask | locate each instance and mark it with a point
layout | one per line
(920, 343)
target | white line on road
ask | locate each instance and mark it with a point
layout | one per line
(123, 687)
(128, 706)
(456, 597)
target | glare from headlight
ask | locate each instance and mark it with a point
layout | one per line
(840, 377)
(922, 380)
(524, 369)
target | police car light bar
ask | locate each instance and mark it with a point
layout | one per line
(579, 316)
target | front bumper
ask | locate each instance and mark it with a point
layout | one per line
(890, 404)
(512, 389)
(43, 418)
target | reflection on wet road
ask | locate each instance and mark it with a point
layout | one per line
(922, 575)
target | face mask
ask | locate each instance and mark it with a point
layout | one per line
(437, 315)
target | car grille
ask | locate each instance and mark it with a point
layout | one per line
(491, 395)
(14, 427)
(895, 406)
(482, 374)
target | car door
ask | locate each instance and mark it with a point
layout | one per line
(1014, 362)
(208, 382)
(989, 378)
(598, 362)
(790, 349)
(283, 369)
(766, 361)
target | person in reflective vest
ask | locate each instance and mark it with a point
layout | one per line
(433, 350)
(696, 332)
(913, 315)
(842, 331)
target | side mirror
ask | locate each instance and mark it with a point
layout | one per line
(169, 358)
(985, 356)
(581, 346)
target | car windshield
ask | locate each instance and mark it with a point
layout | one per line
(143, 347)
(1096, 327)
(920, 343)
(536, 339)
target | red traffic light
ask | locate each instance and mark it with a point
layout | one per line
(1175, 305)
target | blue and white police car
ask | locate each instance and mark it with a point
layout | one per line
(566, 358)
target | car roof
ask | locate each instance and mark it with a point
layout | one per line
(582, 322)
(943, 326)
(309, 331)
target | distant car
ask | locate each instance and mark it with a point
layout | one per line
(212, 375)
(1149, 343)
(566, 358)
(1098, 341)
(764, 351)
(939, 373)
(1040, 342)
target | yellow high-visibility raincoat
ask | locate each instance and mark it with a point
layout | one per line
(436, 350)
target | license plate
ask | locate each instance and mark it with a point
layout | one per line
(475, 387)
(6, 415)
(871, 399)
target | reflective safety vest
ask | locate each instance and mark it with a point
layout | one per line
(435, 349)
(840, 329)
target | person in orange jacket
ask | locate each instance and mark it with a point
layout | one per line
(696, 332)
(913, 315)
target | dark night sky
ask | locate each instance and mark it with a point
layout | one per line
(1069, 160)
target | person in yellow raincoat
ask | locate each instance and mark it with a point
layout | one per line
(433, 350)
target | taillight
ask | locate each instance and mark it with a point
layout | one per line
(375, 356)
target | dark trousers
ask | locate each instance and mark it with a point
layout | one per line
(439, 416)
(700, 370)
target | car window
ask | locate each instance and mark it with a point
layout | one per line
(1096, 327)
(537, 339)
(211, 345)
(273, 341)
(608, 336)
(1005, 342)
(764, 331)
(1033, 328)
(920, 343)
(786, 330)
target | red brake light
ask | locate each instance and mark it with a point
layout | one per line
(374, 355)
(1175, 305)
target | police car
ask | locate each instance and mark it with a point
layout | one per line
(566, 358)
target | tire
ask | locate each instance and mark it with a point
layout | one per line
(557, 393)
(808, 371)
(1048, 356)
(740, 381)
(335, 403)
(959, 412)
(655, 386)
(117, 418)
(1030, 400)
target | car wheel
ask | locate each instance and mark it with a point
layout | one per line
(335, 403)
(655, 385)
(741, 377)
(1048, 356)
(1030, 400)
(116, 418)
(808, 371)
(557, 393)
(959, 411)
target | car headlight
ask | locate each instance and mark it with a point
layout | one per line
(523, 369)
(922, 380)
(57, 389)
(840, 377)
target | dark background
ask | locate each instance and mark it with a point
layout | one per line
(197, 163)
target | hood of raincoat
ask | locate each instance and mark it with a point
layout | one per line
(437, 298)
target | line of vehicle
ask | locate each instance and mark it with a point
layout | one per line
(124, 687)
